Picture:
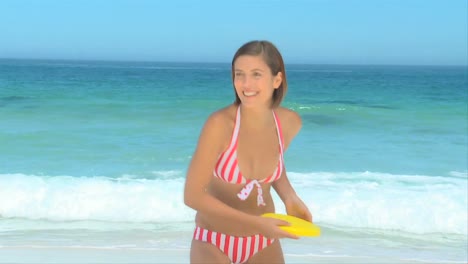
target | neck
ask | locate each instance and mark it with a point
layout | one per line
(257, 116)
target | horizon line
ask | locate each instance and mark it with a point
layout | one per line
(218, 62)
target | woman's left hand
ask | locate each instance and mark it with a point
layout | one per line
(296, 207)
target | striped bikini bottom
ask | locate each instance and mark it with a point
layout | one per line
(238, 249)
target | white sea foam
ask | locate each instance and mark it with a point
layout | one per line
(409, 203)
(99, 198)
(459, 174)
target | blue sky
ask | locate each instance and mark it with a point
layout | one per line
(414, 32)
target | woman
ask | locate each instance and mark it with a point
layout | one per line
(238, 158)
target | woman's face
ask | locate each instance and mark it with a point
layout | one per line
(253, 81)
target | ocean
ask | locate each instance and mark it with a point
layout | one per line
(93, 155)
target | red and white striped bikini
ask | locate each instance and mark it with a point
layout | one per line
(240, 249)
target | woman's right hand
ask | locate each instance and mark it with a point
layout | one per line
(270, 228)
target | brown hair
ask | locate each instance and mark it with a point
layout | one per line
(272, 58)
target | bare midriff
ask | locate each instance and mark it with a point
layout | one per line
(227, 194)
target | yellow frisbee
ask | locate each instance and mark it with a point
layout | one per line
(298, 226)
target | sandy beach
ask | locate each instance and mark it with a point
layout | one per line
(137, 247)
(121, 256)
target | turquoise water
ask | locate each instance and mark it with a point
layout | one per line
(104, 146)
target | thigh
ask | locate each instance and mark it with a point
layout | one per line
(271, 254)
(204, 252)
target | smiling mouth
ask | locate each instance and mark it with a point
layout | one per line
(248, 94)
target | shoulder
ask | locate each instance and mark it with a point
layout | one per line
(218, 126)
(221, 118)
(290, 119)
(291, 123)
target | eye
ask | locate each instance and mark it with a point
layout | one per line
(239, 76)
(257, 74)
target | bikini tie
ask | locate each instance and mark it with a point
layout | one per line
(245, 192)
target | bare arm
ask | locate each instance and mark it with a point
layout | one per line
(292, 125)
(200, 173)
(294, 205)
(284, 188)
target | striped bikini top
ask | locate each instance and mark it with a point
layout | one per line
(227, 168)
